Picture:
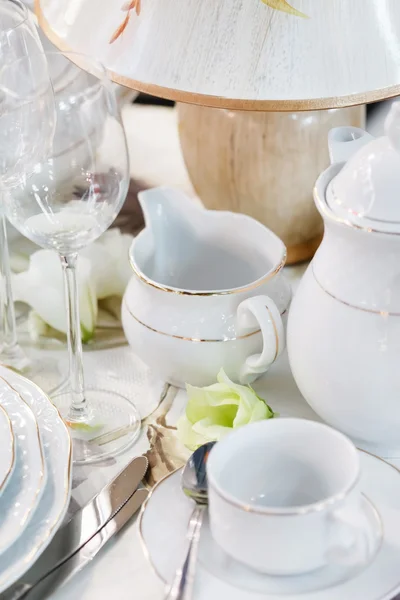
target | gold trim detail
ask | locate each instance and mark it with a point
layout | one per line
(43, 471)
(229, 103)
(300, 511)
(331, 216)
(295, 511)
(199, 340)
(379, 458)
(140, 522)
(246, 288)
(146, 551)
(381, 313)
(68, 478)
(12, 463)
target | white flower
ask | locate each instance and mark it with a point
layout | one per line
(108, 257)
(42, 287)
(36, 326)
(103, 271)
(213, 411)
(21, 249)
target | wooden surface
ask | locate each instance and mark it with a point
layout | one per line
(263, 164)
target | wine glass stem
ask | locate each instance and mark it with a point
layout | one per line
(11, 353)
(8, 313)
(79, 410)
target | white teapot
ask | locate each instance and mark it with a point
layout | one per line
(344, 323)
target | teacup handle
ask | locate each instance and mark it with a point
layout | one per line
(358, 536)
(262, 312)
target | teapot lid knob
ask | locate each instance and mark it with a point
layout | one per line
(365, 191)
(392, 126)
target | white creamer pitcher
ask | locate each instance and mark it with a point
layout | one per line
(344, 322)
(206, 292)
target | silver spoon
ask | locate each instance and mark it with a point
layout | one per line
(194, 485)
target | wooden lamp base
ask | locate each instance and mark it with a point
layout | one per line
(263, 164)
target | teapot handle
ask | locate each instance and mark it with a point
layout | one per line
(260, 311)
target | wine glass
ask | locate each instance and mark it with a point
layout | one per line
(25, 134)
(68, 201)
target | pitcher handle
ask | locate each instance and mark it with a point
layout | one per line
(262, 312)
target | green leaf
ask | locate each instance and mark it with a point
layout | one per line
(86, 334)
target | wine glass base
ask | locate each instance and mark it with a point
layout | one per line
(113, 425)
(48, 373)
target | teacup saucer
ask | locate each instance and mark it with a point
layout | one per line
(163, 524)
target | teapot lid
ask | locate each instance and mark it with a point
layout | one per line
(366, 191)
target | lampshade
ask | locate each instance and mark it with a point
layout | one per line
(239, 54)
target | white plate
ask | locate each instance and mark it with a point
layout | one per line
(27, 482)
(165, 516)
(7, 449)
(54, 502)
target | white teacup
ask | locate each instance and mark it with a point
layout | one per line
(207, 292)
(284, 498)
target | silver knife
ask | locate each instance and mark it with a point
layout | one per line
(87, 521)
(64, 571)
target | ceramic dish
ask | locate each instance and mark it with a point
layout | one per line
(186, 320)
(28, 480)
(350, 295)
(7, 454)
(164, 520)
(54, 502)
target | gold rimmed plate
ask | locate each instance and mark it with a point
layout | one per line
(26, 484)
(164, 520)
(51, 509)
(7, 449)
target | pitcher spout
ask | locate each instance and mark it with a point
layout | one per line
(163, 206)
(172, 231)
(343, 142)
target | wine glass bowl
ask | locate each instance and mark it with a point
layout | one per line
(27, 116)
(75, 194)
(65, 206)
(65, 214)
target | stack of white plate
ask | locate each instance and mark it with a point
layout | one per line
(35, 474)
